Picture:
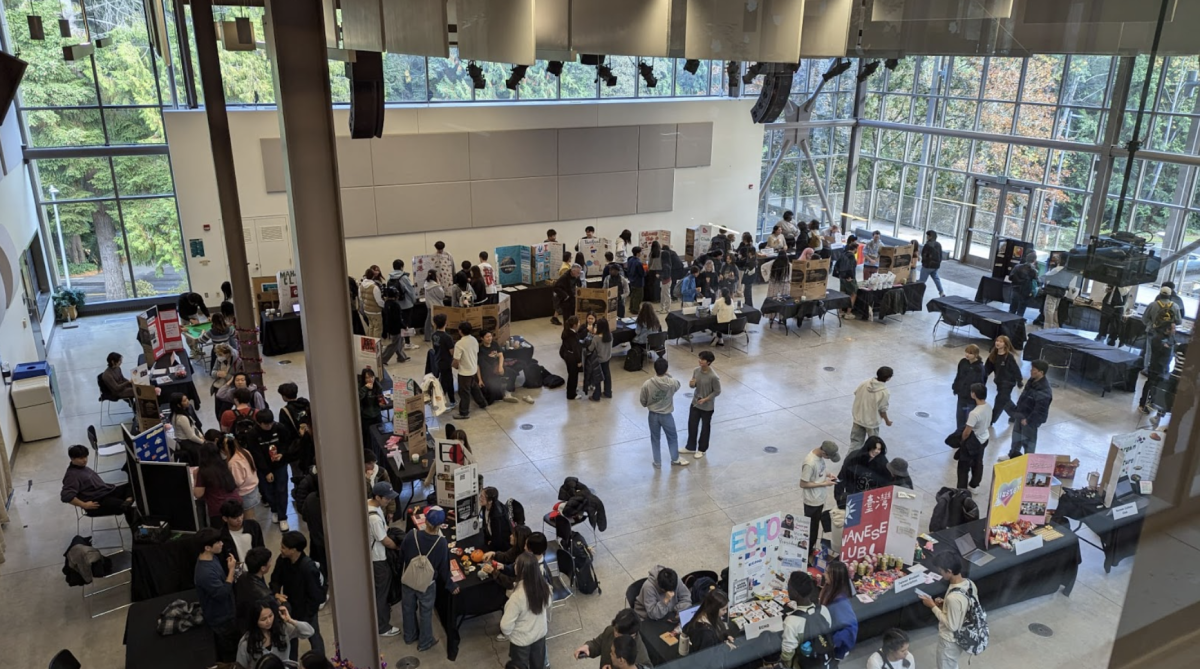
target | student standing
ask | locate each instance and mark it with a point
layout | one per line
(931, 261)
(381, 494)
(974, 439)
(270, 443)
(970, 372)
(870, 405)
(951, 610)
(214, 590)
(393, 327)
(297, 578)
(1002, 362)
(491, 286)
(614, 278)
(527, 616)
(466, 364)
(707, 387)
(871, 255)
(814, 485)
(442, 358)
(406, 295)
(806, 621)
(658, 395)
(370, 290)
(600, 346)
(434, 295)
(570, 349)
(1033, 408)
(1024, 279)
(636, 273)
(835, 596)
(417, 607)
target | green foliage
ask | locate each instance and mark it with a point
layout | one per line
(69, 297)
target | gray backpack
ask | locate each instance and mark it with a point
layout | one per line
(419, 573)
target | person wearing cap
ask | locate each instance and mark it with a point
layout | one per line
(1033, 407)
(814, 484)
(870, 405)
(898, 468)
(417, 607)
(1161, 318)
(381, 494)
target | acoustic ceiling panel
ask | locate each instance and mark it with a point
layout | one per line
(358, 213)
(423, 207)
(354, 163)
(552, 29)
(721, 30)
(781, 27)
(938, 10)
(656, 146)
(826, 29)
(416, 159)
(628, 27)
(514, 201)
(362, 22)
(694, 145)
(591, 150)
(656, 190)
(417, 27)
(498, 31)
(597, 195)
(514, 154)
(272, 162)
(1097, 11)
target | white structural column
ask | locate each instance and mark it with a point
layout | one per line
(296, 38)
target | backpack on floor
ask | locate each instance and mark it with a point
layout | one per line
(972, 636)
(586, 581)
(533, 375)
(816, 646)
(552, 381)
(635, 359)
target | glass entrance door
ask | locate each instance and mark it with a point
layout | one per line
(999, 209)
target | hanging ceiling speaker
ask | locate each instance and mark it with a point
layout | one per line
(78, 51)
(237, 35)
(366, 94)
(12, 69)
(64, 27)
(776, 87)
(36, 30)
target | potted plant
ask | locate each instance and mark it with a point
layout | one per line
(67, 302)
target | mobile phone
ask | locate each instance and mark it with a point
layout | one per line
(922, 594)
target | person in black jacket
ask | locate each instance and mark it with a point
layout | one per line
(1002, 362)
(296, 420)
(240, 534)
(310, 512)
(931, 261)
(191, 305)
(297, 578)
(1033, 408)
(251, 587)
(707, 628)
(564, 294)
(275, 459)
(393, 326)
(442, 353)
(497, 528)
(970, 372)
(571, 352)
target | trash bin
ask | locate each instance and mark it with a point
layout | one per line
(37, 414)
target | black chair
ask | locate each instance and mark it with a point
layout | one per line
(1058, 357)
(64, 660)
(633, 591)
(657, 342)
(107, 399)
(690, 579)
(955, 318)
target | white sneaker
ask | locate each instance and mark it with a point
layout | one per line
(681, 463)
(501, 637)
(698, 455)
(1002, 458)
(395, 631)
(527, 399)
(283, 525)
(509, 397)
(409, 347)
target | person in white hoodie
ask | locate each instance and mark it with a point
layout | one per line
(526, 616)
(870, 405)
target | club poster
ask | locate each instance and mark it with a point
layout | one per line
(868, 516)
(547, 261)
(168, 329)
(593, 251)
(1008, 485)
(905, 523)
(753, 551)
(793, 544)
(367, 356)
(420, 268)
(451, 455)
(647, 237)
(1035, 494)
(1136, 453)
(467, 521)
(514, 264)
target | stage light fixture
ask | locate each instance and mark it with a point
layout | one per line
(891, 63)
(476, 74)
(604, 72)
(514, 79)
(647, 72)
(555, 67)
(837, 69)
(868, 69)
(691, 65)
(751, 72)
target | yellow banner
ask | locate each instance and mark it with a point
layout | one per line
(1008, 485)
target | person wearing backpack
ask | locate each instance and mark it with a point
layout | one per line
(1161, 318)
(296, 420)
(1024, 280)
(406, 294)
(931, 261)
(962, 624)
(426, 559)
(270, 443)
(893, 653)
(807, 628)
(526, 616)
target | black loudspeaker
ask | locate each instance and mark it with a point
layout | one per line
(776, 87)
(11, 71)
(366, 94)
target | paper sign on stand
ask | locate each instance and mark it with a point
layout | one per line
(451, 455)
(593, 251)
(884, 520)
(754, 630)
(467, 521)
(753, 551)
(1125, 511)
(910, 581)
(367, 354)
(793, 545)
(1028, 545)
(1134, 453)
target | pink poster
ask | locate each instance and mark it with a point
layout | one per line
(1036, 495)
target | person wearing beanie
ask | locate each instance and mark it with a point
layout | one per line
(1033, 408)
(417, 607)
(814, 485)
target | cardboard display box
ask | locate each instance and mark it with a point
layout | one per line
(810, 279)
(648, 237)
(698, 240)
(601, 301)
(898, 260)
(495, 317)
(514, 265)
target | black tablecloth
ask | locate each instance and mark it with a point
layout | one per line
(282, 334)
(787, 309)
(1118, 538)
(532, 302)
(679, 325)
(1111, 367)
(161, 569)
(623, 334)
(186, 385)
(914, 298)
(145, 649)
(989, 321)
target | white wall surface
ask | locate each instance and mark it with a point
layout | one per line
(724, 193)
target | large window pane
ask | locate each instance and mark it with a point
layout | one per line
(691, 84)
(91, 234)
(1170, 133)
(64, 127)
(143, 175)
(1003, 79)
(448, 78)
(339, 83)
(50, 80)
(138, 125)
(896, 108)
(125, 67)
(718, 81)
(989, 158)
(954, 152)
(404, 78)
(495, 74)
(1087, 80)
(960, 114)
(664, 70)
(578, 81)
(1071, 169)
(1043, 74)
(538, 84)
(997, 117)
(901, 80)
(1028, 163)
(155, 245)
(1079, 125)
(1159, 182)
(965, 76)
(75, 178)
(625, 69)
(1035, 121)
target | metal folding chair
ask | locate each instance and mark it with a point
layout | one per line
(952, 317)
(1058, 357)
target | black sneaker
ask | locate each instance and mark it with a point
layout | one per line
(554, 320)
(458, 416)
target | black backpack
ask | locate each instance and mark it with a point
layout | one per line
(245, 430)
(816, 645)
(552, 381)
(953, 507)
(582, 570)
(533, 375)
(516, 512)
(635, 359)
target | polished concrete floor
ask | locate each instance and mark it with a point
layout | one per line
(787, 392)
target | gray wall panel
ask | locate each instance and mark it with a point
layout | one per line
(512, 201)
(597, 195)
(272, 161)
(358, 212)
(656, 147)
(594, 150)
(694, 145)
(656, 190)
(354, 163)
(421, 207)
(420, 159)
(514, 154)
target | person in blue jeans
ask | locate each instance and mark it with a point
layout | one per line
(931, 261)
(417, 607)
(658, 396)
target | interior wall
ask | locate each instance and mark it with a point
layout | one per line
(723, 193)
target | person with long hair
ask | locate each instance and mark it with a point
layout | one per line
(271, 633)
(600, 350)
(497, 526)
(970, 371)
(478, 284)
(526, 616)
(187, 428)
(707, 628)
(356, 322)
(706, 284)
(242, 466)
(461, 293)
(893, 652)
(371, 296)
(723, 309)
(623, 244)
(654, 268)
(227, 291)
(571, 352)
(647, 324)
(214, 482)
(777, 241)
(835, 596)
(779, 284)
(114, 379)
(370, 412)
(1005, 369)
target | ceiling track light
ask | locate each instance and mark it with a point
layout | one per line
(647, 72)
(867, 70)
(836, 70)
(691, 66)
(514, 79)
(476, 74)
(555, 67)
(752, 71)
(605, 73)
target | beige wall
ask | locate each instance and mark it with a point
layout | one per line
(724, 192)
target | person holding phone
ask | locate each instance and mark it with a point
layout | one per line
(951, 610)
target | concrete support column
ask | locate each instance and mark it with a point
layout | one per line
(231, 208)
(852, 154)
(1112, 135)
(296, 39)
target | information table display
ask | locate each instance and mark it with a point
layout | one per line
(680, 324)
(989, 321)
(1109, 366)
(912, 297)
